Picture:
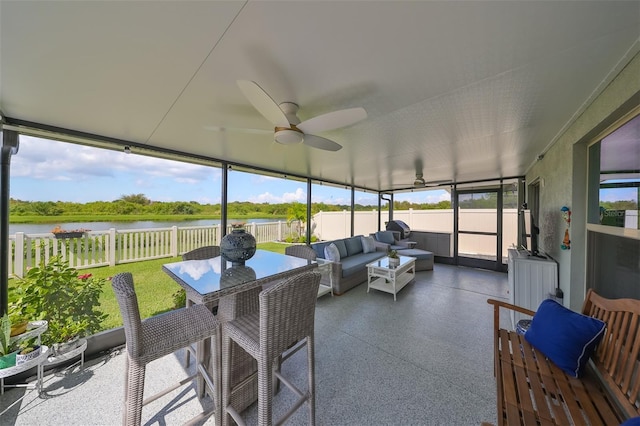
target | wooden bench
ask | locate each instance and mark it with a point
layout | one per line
(533, 391)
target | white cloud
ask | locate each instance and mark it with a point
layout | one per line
(287, 197)
(51, 160)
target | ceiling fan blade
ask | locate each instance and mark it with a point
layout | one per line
(333, 120)
(263, 103)
(236, 129)
(321, 143)
(437, 182)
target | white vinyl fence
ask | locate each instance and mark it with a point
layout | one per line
(335, 225)
(111, 247)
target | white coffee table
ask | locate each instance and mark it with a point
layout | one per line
(390, 279)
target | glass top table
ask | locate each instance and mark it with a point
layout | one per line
(211, 279)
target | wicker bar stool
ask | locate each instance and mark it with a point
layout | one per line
(201, 253)
(283, 324)
(156, 337)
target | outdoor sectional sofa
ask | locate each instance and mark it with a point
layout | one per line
(351, 270)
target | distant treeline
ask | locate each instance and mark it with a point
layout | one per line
(138, 204)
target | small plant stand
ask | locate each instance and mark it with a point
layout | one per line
(66, 356)
(34, 329)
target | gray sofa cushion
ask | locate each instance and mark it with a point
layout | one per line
(385, 237)
(354, 245)
(319, 248)
(342, 248)
(368, 244)
(358, 262)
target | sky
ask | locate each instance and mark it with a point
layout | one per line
(45, 170)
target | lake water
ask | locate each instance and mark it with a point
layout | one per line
(42, 228)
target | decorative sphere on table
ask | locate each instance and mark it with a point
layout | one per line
(238, 246)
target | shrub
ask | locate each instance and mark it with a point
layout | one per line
(54, 292)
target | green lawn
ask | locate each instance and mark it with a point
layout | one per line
(154, 288)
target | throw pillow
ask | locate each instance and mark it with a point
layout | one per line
(342, 247)
(566, 337)
(385, 237)
(331, 253)
(368, 245)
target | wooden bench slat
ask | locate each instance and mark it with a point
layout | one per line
(539, 394)
(630, 362)
(605, 406)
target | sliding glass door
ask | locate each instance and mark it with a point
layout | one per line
(479, 228)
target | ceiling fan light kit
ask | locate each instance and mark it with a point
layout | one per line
(289, 130)
(288, 136)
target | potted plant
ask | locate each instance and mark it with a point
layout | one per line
(28, 350)
(58, 232)
(8, 348)
(69, 302)
(394, 260)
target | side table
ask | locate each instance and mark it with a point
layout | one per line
(325, 267)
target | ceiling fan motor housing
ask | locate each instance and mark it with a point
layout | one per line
(288, 136)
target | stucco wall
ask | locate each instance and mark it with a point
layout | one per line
(562, 175)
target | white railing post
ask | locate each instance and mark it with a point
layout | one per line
(112, 247)
(19, 255)
(252, 231)
(174, 241)
(279, 230)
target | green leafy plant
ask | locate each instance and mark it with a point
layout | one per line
(54, 292)
(179, 299)
(7, 346)
(392, 254)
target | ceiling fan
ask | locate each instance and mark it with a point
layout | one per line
(419, 182)
(289, 129)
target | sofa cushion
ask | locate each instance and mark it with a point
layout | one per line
(385, 237)
(319, 248)
(332, 253)
(368, 244)
(342, 248)
(566, 337)
(354, 264)
(354, 245)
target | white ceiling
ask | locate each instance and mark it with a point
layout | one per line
(469, 90)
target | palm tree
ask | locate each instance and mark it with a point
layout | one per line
(297, 212)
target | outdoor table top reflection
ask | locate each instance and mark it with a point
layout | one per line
(211, 279)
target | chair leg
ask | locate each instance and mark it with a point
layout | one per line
(125, 403)
(226, 380)
(188, 354)
(265, 391)
(312, 382)
(135, 391)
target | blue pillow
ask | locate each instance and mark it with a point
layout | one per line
(566, 337)
(633, 421)
(319, 248)
(385, 237)
(332, 253)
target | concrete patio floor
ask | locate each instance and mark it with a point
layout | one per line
(425, 359)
